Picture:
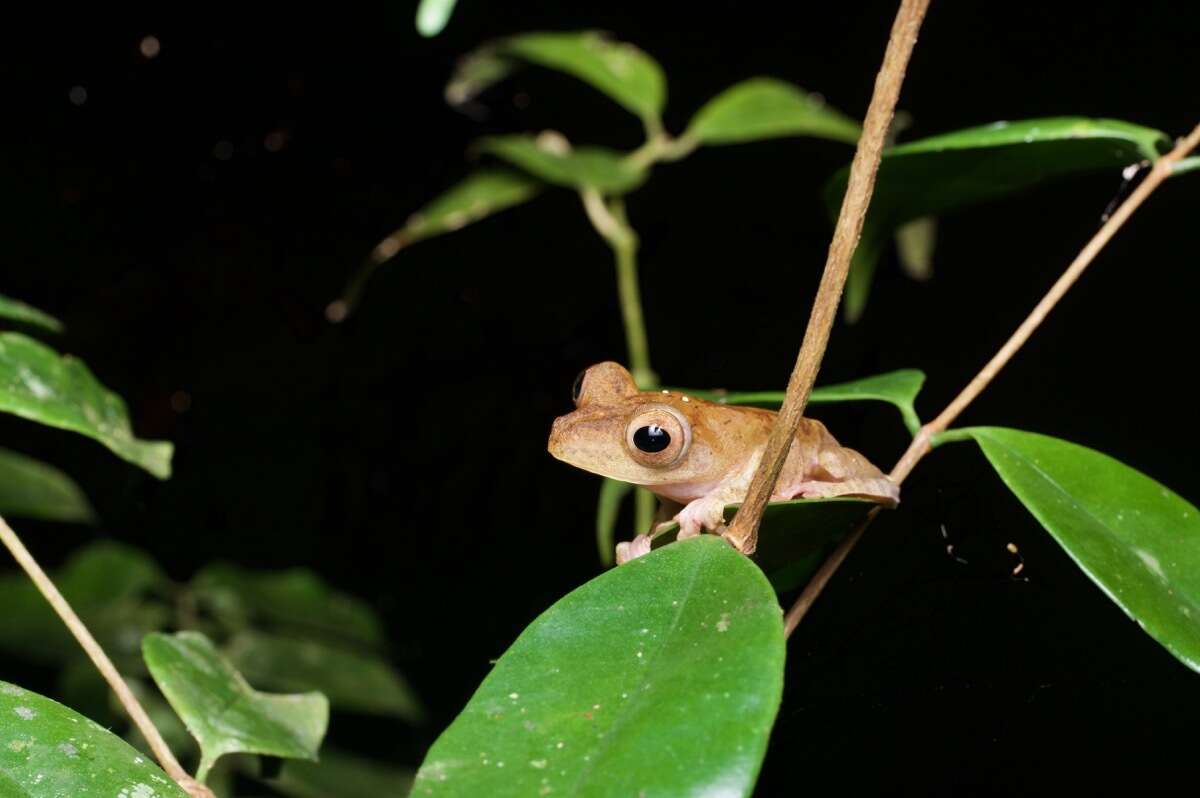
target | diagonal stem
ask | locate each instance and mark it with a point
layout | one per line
(1163, 168)
(743, 533)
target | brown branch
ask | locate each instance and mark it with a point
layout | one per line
(136, 713)
(920, 446)
(743, 533)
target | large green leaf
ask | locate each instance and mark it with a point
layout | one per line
(15, 310)
(59, 391)
(550, 158)
(898, 388)
(764, 108)
(296, 600)
(341, 775)
(49, 751)
(432, 16)
(795, 536)
(223, 712)
(620, 70)
(658, 678)
(953, 170)
(30, 488)
(1137, 540)
(351, 680)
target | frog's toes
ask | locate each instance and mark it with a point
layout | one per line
(704, 513)
(632, 549)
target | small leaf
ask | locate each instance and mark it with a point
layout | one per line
(915, 242)
(899, 388)
(550, 158)
(622, 71)
(608, 508)
(38, 384)
(15, 310)
(1186, 165)
(225, 714)
(50, 751)
(295, 600)
(660, 677)
(965, 167)
(30, 488)
(1137, 540)
(352, 681)
(341, 775)
(475, 73)
(764, 108)
(432, 16)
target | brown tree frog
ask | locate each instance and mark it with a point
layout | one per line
(696, 455)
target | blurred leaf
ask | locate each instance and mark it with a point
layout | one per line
(1185, 165)
(15, 310)
(765, 108)
(223, 712)
(296, 599)
(622, 71)
(965, 167)
(341, 775)
(915, 242)
(796, 536)
(432, 16)
(550, 158)
(898, 388)
(660, 677)
(475, 73)
(352, 681)
(32, 489)
(51, 751)
(1137, 540)
(608, 508)
(38, 384)
(106, 583)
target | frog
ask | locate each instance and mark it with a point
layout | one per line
(697, 455)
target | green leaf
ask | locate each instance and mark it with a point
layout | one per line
(1137, 540)
(15, 310)
(50, 751)
(915, 242)
(222, 711)
(296, 600)
(899, 388)
(475, 73)
(480, 195)
(608, 508)
(38, 384)
(965, 167)
(341, 775)
(660, 677)
(622, 71)
(550, 158)
(30, 488)
(765, 108)
(432, 16)
(795, 536)
(1185, 165)
(352, 681)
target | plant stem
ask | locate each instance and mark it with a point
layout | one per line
(136, 713)
(743, 533)
(921, 444)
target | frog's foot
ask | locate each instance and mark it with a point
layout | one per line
(707, 512)
(632, 549)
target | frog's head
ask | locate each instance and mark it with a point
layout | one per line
(618, 432)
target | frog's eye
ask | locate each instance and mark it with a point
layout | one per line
(577, 387)
(658, 436)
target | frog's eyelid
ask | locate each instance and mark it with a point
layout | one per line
(577, 386)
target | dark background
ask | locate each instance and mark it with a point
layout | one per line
(402, 454)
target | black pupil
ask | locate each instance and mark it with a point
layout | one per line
(651, 439)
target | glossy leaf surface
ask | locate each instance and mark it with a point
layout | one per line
(22, 313)
(30, 488)
(550, 158)
(38, 384)
(1135, 538)
(954, 170)
(765, 108)
(50, 751)
(660, 677)
(223, 712)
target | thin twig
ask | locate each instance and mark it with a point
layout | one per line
(743, 533)
(920, 446)
(136, 713)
